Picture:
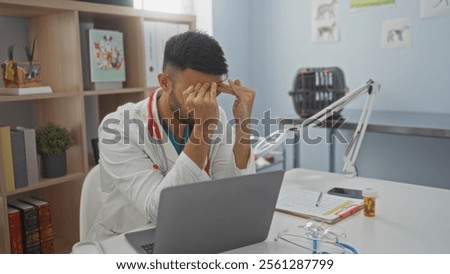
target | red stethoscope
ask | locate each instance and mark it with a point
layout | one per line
(155, 134)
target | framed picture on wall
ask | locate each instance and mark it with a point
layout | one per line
(107, 59)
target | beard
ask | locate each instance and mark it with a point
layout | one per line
(179, 113)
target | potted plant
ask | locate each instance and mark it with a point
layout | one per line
(52, 142)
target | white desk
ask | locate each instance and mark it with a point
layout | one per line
(409, 218)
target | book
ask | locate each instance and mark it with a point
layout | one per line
(2, 177)
(163, 32)
(107, 56)
(85, 61)
(331, 208)
(45, 224)
(30, 226)
(25, 91)
(7, 159)
(15, 231)
(31, 155)
(156, 35)
(151, 71)
(19, 158)
(182, 27)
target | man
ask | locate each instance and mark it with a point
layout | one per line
(179, 135)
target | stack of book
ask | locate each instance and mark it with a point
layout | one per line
(30, 226)
(19, 157)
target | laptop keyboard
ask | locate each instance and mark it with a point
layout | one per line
(148, 248)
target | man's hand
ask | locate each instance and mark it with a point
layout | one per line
(242, 111)
(201, 104)
(243, 104)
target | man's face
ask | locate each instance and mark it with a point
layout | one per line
(181, 81)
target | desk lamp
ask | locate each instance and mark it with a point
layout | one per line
(275, 139)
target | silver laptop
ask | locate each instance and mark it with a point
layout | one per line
(212, 217)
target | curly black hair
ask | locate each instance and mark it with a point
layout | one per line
(195, 50)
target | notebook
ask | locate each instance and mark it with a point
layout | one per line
(331, 209)
(213, 216)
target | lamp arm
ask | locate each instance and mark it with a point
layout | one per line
(354, 145)
(275, 139)
(335, 107)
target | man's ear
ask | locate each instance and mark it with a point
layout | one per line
(164, 82)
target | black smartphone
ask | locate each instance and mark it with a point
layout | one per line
(346, 192)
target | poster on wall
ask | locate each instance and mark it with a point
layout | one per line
(434, 8)
(324, 21)
(396, 33)
(107, 61)
(362, 4)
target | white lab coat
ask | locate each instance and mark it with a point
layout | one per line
(131, 184)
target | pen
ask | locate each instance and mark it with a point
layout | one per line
(319, 198)
(350, 211)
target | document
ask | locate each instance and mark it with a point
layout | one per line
(330, 209)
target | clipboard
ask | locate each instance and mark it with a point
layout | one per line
(302, 203)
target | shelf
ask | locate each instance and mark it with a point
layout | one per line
(25, 8)
(18, 98)
(60, 50)
(89, 11)
(114, 91)
(28, 8)
(48, 182)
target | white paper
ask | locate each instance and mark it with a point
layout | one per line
(434, 8)
(324, 21)
(151, 62)
(396, 33)
(302, 201)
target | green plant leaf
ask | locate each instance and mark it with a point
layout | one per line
(52, 140)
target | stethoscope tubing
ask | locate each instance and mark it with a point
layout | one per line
(155, 136)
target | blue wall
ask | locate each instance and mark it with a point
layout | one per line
(231, 27)
(416, 79)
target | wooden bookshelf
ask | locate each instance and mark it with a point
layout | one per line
(44, 183)
(56, 23)
(17, 98)
(114, 91)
